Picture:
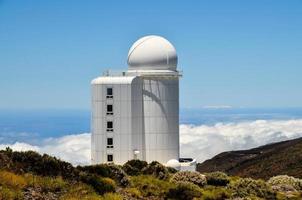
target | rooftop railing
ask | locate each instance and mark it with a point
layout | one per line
(113, 73)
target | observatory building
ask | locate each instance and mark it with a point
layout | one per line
(135, 113)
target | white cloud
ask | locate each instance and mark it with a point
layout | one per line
(201, 142)
(71, 148)
(20, 146)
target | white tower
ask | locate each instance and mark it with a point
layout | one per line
(135, 115)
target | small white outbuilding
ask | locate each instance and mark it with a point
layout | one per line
(135, 114)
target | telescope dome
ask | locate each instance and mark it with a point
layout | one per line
(152, 53)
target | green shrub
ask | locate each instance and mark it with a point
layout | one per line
(80, 191)
(150, 185)
(133, 193)
(5, 162)
(111, 196)
(99, 169)
(284, 181)
(247, 187)
(217, 179)
(156, 169)
(33, 162)
(134, 167)
(172, 170)
(184, 191)
(215, 193)
(47, 184)
(234, 178)
(65, 169)
(10, 194)
(108, 170)
(119, 175)
(109, 184)
(100, 185)
(289, 196)
(189, 176)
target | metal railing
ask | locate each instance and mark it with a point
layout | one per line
(113, 73)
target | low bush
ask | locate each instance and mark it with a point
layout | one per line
(108, 170)
(289, 196)
(247, 187)
(189, 176)
(172, 170)
(33, 162)
(10, 194)
(184, 191)
(99, 169)
(47, 184)
(151, 186)
(133, 193)
(5, 161)
(134, 167)
(215, 193)
(156, 169)
(100, 185)
(111, 196)
(80, 191)
(234, 178)
(119, 175)
(284, 181)
(217, 178)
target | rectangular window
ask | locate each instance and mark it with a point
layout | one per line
(109, 142)
(109, 158)
(109, 126)
(109, 93)
(109, 109)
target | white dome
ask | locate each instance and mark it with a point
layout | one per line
(152, 53)
(174, 164)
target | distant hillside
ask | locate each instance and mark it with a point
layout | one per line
(262, 162)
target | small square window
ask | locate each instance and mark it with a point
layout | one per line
(109, 141)
(110, 126)
(109, 158)
(109, 109)
(109, 92)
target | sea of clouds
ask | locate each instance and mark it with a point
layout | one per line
(198, 141)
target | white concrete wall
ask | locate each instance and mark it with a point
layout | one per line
(126, 139)
(137, 137)
(161, 118)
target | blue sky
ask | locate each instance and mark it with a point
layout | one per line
(237, 53)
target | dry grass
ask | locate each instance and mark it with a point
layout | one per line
(12, 180)
(47, 184)
(111, 196)
(80, 192)
(148, 185)
(10, 194)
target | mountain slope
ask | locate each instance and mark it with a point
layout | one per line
(261, 162)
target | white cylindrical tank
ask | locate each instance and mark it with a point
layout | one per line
(161, 123)
(174, 164)
(154, 60)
